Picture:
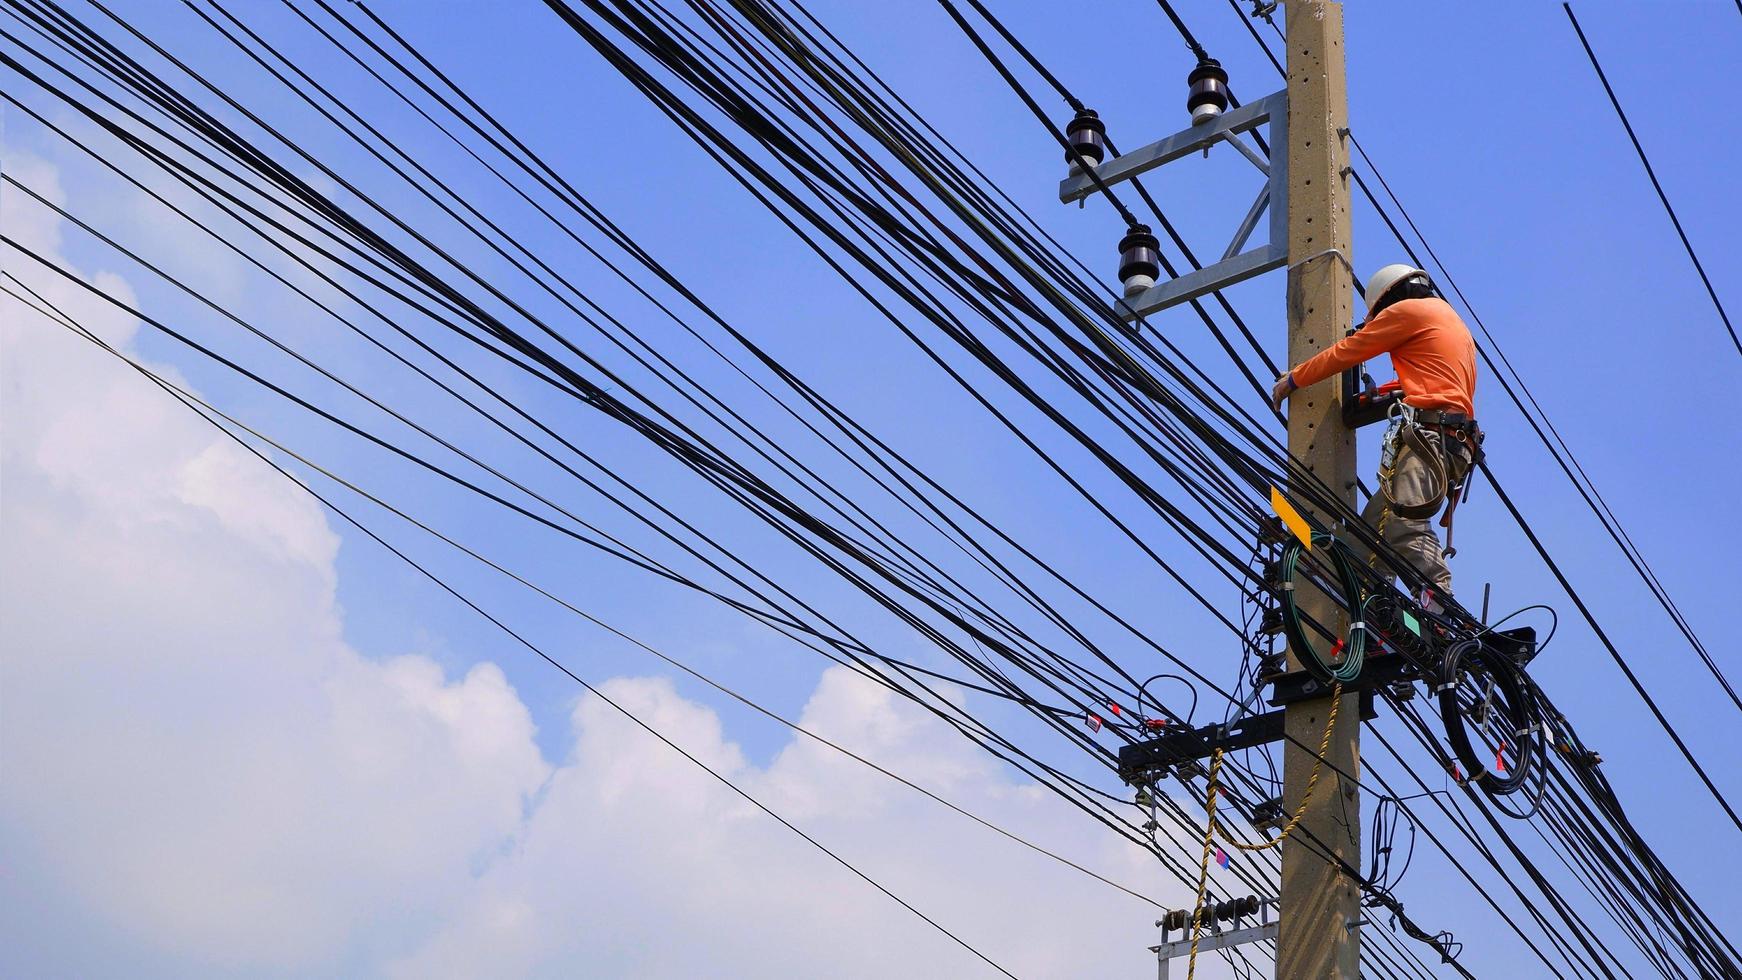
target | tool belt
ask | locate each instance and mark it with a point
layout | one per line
(1435, 418)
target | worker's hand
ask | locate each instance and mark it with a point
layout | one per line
(1280, 391)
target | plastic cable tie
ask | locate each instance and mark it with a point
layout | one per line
(1357, 626)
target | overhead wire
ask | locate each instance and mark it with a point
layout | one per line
(591, 689)
(1535, 416)
(202, 404)
(1651, 174)
(1108, 350)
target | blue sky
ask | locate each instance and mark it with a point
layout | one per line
(1486, 120)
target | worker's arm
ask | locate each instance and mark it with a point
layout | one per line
(1380, 335)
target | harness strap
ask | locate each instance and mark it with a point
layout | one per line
(1461, 492)
(1416, 441)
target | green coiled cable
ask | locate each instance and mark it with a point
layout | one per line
(1347, 667)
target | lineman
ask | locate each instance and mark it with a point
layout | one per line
(1433, 440)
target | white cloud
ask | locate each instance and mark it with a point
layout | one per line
(637, 865)
(192, 755)
(198, 775)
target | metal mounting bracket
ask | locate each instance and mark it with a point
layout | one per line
(1215, 936)
(1235, 265)
(1141, 762)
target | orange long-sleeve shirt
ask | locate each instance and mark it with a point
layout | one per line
(1430, 347)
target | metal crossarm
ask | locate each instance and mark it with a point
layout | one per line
(1235, 265)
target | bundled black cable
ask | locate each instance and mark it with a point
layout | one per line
(871, 224)
(1483, 689)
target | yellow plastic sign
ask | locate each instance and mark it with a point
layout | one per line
(1292, 518)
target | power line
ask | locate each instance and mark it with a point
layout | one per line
(590, 688)
(1162, 421)
(188, 397)
(1535, 416)
(1568, 464)
(1652, 175)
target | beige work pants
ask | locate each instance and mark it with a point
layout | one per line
(1413, 479)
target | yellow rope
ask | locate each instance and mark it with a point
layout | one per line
(1385, 473)
(1312, 782)
(1211, 825)
(1384, 515)
(1204, 865)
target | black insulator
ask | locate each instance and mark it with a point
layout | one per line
(1175, 919)
(1271, 624)
(1209, 91)
(1139, 259)
(1087, 136)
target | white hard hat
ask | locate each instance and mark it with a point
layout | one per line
(1388, 277)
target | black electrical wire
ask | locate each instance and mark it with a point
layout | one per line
(1185, 33)
(195, 400)
(1333, 505)
(1614, 654)
(1651, 174)
(1598, 507)
(602, 696)
(1103, 456)
(664, 363)
(1655, 906)
(1568, 463)
(1161, 218)
(474, 488)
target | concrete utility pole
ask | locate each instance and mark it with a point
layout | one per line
(1320, 902)
(1306, 193)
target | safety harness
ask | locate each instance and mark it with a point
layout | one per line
(1409, 430)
